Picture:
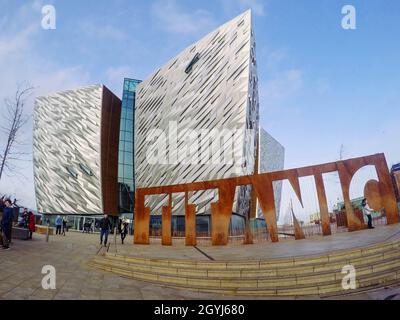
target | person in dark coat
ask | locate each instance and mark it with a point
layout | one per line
(64, 226)
(124, 229)
(25, 218)
(6, 223)
(31, 224)
(105, 225)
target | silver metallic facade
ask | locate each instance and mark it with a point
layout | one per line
(207, 91)
(66, 151)
(271, 158)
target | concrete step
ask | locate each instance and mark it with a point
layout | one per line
(375, 265)
(237, 278)
(243, 270)
(354, 256)
(302, 274)
(259, 288)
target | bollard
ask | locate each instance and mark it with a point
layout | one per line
(47, 232)
(115, 239)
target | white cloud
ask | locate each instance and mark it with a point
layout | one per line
(100, 31)
(115, 76)
(14, 43)
(232, 6)
(274, 58)
(282, 87)
(174, 19)
(21, 62)
(257, 6)
(118, 73)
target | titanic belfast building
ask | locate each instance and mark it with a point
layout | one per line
(196, 118)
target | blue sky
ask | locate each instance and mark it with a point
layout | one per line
(320, 85)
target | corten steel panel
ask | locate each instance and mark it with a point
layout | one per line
(142, 220)
(110, 125)
(298, 231)
(264, 191)
(262, 185)
(323, 204)
(346, 172)
(221, 213)
(373, 193)
(190, 222)
(166, 223)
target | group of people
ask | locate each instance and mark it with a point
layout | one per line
(105, 226)
(88, 227)
(7, 208)
(61, 225)
(29, 222)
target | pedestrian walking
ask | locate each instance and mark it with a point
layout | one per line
(124, 229)
(59, 222)
(31, 224)
(105, 226)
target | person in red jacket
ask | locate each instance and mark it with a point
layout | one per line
(31, 224)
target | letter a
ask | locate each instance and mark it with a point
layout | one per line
(349, 280)
(49, 280)
(49, 17)
(349, 20)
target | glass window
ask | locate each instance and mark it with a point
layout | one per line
(126, 85)
(123, 124)
(86, 169)
(129, 126)
(128, 147)
(195, 59)
(128, 158)
(123, 113)
(73, 173)
(129, 115)
(120, 170)
(122, 146)
(128, 136)
(120, 156)
(132, 86)
(128, 172)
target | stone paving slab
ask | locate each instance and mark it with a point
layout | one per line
(20, 267)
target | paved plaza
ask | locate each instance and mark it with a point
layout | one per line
(312, 246)
(20, 267)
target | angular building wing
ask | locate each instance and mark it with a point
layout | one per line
(75, 151)
(271, 158)
(209, 88)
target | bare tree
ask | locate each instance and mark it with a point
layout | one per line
(14, 119)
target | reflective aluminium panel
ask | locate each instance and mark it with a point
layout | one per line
(210, 87)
